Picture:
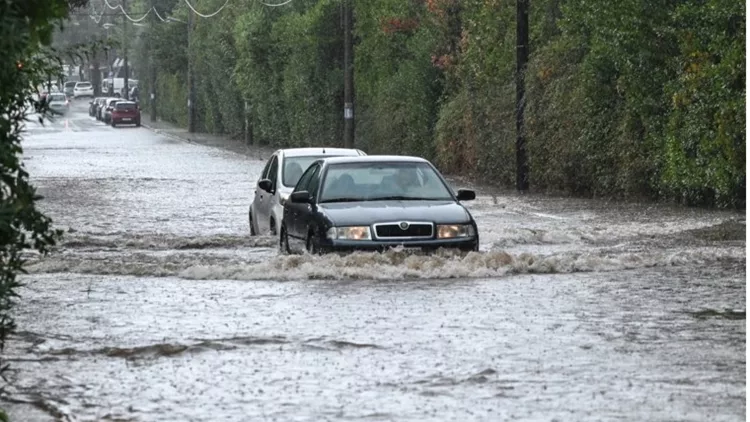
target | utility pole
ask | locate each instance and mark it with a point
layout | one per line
(348, 76)
(152, 62)
(191, 78)
(522, 57)
(125, 48)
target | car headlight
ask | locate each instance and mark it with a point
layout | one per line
(451, 231)
(349, 233)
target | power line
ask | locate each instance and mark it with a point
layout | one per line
(274, 5)
(119, 6)
(209, 15)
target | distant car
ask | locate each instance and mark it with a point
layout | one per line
(374, 203)
(277, 180)
(68, 88)
(101, 104)
(83, 89)
(109, 105)
(93, 104)
(125, 112)
(58, 103)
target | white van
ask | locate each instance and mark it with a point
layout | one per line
(117, 84)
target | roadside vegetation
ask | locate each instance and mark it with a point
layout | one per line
(633, 98)
(28, 61)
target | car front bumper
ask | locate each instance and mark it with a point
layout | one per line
(464, 244)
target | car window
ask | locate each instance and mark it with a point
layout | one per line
(371, 181)
(304, 181)
(273, 171)
(57, 97)
(312, 187)
(294, 167)
(70, 84)
(83, 85)
(125, 106)
(264, 173)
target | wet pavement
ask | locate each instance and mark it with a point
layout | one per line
(158, 306)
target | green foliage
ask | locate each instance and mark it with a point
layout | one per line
(632, 98)
(26, 27)
(705, 137)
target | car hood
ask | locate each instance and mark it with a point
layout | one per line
(366, 213)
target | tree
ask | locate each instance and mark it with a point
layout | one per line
(26, 28)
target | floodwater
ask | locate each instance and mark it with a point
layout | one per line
(158, 306)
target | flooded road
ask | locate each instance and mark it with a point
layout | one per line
(158, 306)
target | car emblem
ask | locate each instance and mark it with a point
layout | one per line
(404, 225)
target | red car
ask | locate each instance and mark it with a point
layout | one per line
(125, 112)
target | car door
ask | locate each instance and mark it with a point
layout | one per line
(297, 222)
(263, 198)
(307, 217)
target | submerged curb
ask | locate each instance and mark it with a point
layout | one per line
(168, 134)
(252, 152)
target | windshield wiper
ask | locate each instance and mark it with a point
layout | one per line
(396, 198)
(342, 199)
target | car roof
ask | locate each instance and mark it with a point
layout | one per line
(305, 152)
(375, 159)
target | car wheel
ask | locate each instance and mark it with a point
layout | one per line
(113, 124)
(312, 244)
(273, 227)
(138, 123)
(253, 232)
(284, 242)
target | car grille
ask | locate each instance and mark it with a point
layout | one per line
(394, 230)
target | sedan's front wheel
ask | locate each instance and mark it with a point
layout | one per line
(253, 232)
(313, 244)
(284, 242)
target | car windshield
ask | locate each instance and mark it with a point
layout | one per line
(294, 167)
(57, 97)
(375, 181)
(84, 85)
(70, 84)
(125, 106)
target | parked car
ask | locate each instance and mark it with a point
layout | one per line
(93, 105)
(83, 89)
(125, 112)
(68, 88)
(109, 105)
(101, 104)
(277, 180)
(374, 203)
(58, 103)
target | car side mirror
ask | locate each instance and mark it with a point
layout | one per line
(301, 197)
(266, 185)
(466, 195)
